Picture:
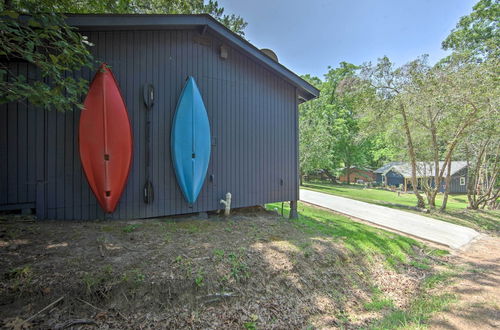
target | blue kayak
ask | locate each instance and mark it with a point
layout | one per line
(190, 141)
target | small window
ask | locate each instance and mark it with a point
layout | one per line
(462, 180)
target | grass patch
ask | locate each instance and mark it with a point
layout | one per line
(378, 302)
(94, 282)
(396, 249)
(436, 279)
(22, 278)
(130, 228)
(382, 196)
(421, 264)
(357, 237)
(456, 211)
(422, 308)
(417, 315)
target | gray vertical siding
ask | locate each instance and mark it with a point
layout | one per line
(252, 112)
(18, 133)
(455, 186)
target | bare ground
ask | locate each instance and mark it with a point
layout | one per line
(255, 270)
(477, 289)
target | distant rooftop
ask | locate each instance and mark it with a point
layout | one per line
(424, 169)
(386, 168)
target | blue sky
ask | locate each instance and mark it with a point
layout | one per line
(308, 36)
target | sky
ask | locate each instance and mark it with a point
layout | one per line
(308, 36)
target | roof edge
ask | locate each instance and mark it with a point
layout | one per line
(180, 21)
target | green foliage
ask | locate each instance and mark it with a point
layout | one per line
(239, 268)
(251, 325)
(36, 32)
(357, 237)
(477, 35)
(417, 315)
(46, 42)
(199, 279)
(331, 127)
(134, 277)
(457, 211)
(233, 22)
(379, 196)
(378, 301)
(314, 144)
(432, 110)
(95, 282)
(219, 253)
(130, 228)
(21, 277)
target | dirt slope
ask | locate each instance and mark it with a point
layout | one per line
(477, 289)
(254, 270)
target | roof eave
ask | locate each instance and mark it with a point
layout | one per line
(305, 90)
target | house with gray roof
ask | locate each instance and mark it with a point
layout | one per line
(398, 174)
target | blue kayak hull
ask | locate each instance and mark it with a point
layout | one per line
(190, 141)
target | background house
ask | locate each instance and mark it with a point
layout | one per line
(250, 98)
(357, 174)
(399, 174)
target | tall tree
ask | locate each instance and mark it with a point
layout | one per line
(36, 32)
(314, 142)
(233, 22)
(345, 92)
(391, 84)
(46, 42)
(477, 35)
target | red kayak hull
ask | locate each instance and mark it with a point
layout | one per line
(105, 138)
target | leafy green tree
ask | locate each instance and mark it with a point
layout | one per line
(391, 85)
(477, 35)
(314, 142)
(481, 149)
(36, 32)
(345, 91)
(332, 127)
(46, 42)
(233, 22)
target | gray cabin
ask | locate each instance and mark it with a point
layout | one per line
(251, 100)
(398, 174)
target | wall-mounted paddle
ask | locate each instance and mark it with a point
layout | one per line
(148, 96)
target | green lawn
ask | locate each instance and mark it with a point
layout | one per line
(397, 250)
(381, 196)
(357, 237)
(456, 212)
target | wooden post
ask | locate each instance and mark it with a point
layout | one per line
(293, 210)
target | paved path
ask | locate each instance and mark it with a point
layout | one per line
(437, 231)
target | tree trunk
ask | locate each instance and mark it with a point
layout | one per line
(474, 179)
(413, 160)
(437, 177)
(348, 173)
(447, 187)
(330, 176)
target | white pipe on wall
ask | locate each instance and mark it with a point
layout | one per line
(227, 204)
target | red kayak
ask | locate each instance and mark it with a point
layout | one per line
(105, 139)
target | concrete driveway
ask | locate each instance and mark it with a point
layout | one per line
(426, 228)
